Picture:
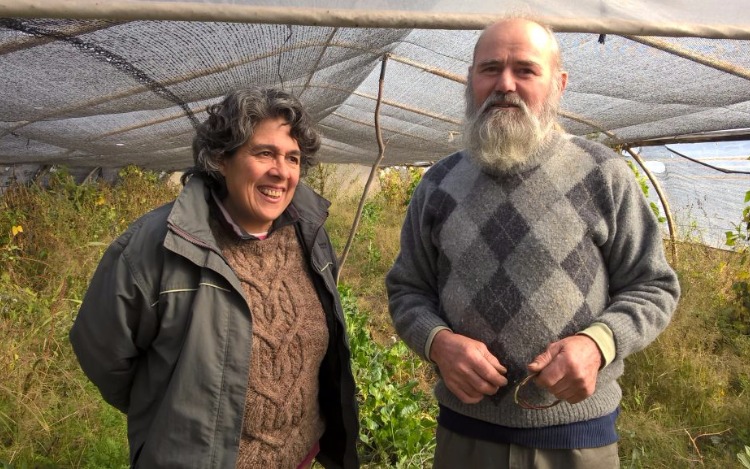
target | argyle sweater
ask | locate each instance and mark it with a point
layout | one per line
(528, 258)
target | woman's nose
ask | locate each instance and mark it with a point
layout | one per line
(280, 168)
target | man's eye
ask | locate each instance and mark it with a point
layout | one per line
(293, 159)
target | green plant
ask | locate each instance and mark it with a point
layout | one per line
(739, 236)
(397, 419)
(397, 183)
(738, 315)
(643, 183)
(744, 458)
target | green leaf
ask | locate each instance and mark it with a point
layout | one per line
(744, 459)
(731, 238)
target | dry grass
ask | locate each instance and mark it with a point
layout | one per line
(687, 396)
(373, 251)
(50, 415)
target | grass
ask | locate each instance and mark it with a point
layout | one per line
(52, 239)
(686, 397)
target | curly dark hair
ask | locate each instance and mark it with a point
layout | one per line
(232, 122)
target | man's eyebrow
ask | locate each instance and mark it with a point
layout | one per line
(491, 62)
(528, 63)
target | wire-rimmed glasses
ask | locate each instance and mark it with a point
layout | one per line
(521, 401)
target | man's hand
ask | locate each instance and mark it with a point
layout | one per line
(568, 368)
(468, 369)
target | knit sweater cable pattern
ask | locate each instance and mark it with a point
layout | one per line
(282, 418)
(525, 259)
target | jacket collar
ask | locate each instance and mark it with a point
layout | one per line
(192, 209)
(191, 212)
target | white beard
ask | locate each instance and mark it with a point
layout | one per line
(501, 140)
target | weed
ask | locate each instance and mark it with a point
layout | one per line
(320, 179)
(397, 184)
(643, 182)
(50, 415)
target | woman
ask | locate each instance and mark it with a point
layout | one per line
(214, 322)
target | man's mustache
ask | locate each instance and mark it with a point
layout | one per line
(499, 99)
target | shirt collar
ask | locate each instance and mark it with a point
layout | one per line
(288, 217)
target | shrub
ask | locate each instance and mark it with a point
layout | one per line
(397, 183)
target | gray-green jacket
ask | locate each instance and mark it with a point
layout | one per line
(165, 333)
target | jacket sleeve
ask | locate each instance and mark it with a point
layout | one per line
(643, 288)
(412, 282)
(111, 325)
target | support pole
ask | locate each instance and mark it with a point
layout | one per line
(675, 49)
(231, 12)
(662, 199)
(373, 171)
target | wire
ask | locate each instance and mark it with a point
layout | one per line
(723, 170)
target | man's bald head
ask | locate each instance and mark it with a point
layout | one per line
(553, 45)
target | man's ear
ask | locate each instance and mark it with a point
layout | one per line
(563, 81)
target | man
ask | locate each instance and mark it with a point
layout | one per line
(532, 253)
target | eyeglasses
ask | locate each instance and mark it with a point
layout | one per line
(523, 402)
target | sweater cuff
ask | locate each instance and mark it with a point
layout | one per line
(602, 335)
(430, 338)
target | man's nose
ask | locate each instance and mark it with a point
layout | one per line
(505, 82)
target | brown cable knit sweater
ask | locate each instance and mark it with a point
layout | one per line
(282, 415)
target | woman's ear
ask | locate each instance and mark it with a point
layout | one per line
(221, 163)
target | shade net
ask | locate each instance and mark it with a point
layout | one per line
(109, 92)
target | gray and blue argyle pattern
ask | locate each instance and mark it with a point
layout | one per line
(525, 259)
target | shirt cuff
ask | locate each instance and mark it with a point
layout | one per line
(602, 335)
(430, 338)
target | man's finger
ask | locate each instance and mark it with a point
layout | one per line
(491, 371)
(492, 360)
(544, 358)
(465, 392)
